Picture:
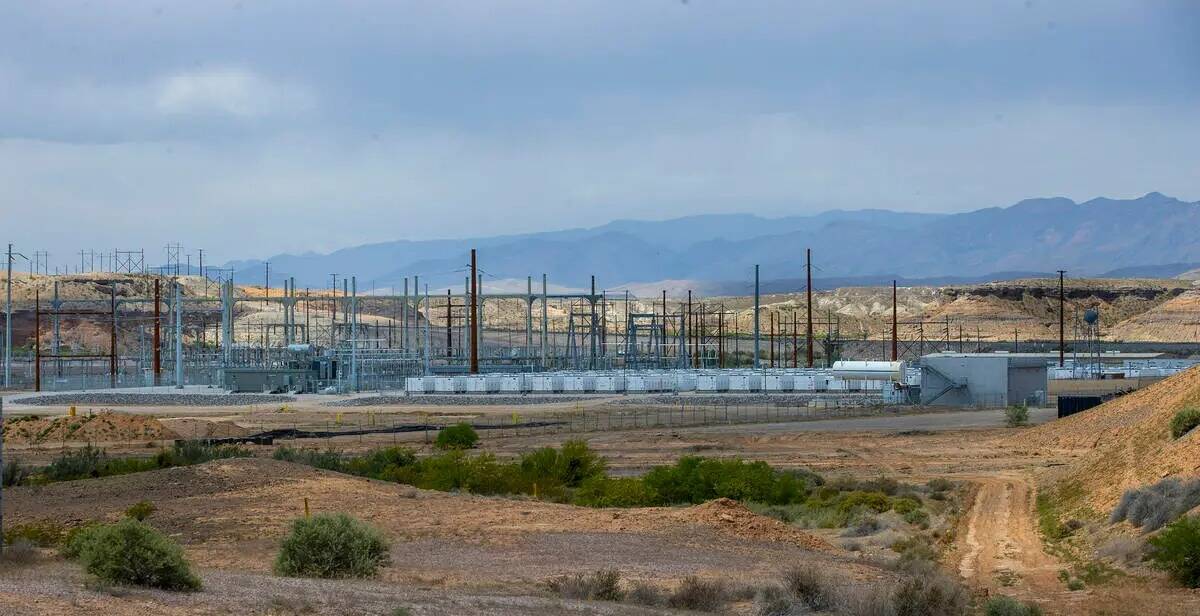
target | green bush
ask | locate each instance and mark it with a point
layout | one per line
(378, 461)
(1176, 550)
(1016, 416)
(695, 480)
(460, 436)
(141, 510)
(615, 492)
(1184, 421)
(568, 466)
(1008, 606)
(329, 459)
(332, 546)
(131, 552)
(76, 464)
(42, 533)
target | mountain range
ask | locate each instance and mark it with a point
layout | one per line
(1151, 236)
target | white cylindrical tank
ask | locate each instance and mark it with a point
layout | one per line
(869, 370)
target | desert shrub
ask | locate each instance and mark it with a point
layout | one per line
(1074, 584)
(939, 484)
(328, 459)
(568, 466)
(1176, 550)
(917, 517)
(699, 595)
(1008, 606)
(643, 593)
(1124, 550)
(131, 552)
(332, 546)
(195, 452)
(76, 539)
(603, 585)
(1016, 416)
(773, 601)
(459, 436)
(141, 510)
(14, 473)
(867, 525)
(934, 594)
(1153, 506)
(917, 554)
(19, 552)
(877, 502)
(377, 462)
(1185, 421)
(905, 504)
(42, 533)
(810, 586)
(76, 464)
(615, 492)
(694, 479)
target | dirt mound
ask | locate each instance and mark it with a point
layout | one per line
(734, 518)
(1129, 440)
(99, 428)
(195, 427)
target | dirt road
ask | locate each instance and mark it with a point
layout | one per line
(1000, 544)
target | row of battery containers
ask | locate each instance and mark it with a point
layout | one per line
(636, 383)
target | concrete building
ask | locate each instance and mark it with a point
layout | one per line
(982, 379)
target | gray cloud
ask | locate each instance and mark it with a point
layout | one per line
(249, 128)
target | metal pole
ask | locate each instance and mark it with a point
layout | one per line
(895, 347)
(353, 333)
(8, 323)
(112, 338)
(545, 320)
(528, 315)
(1, 483)
(809, 330)
(756, 307)
(1062, 340)
(474, 316)
(428, 334)
(37, 341)
(178, 336)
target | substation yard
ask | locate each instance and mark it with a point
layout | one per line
(466, 554)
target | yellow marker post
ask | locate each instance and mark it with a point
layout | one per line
(71, 412)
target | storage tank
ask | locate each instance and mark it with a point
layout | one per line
(869, 370)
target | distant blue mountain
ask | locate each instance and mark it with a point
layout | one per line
(1150, 235)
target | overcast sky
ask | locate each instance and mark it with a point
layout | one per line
(250, 128)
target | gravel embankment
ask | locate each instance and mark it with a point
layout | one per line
(128, 399)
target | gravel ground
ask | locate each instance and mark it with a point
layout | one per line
(458, 400)
(129, 399)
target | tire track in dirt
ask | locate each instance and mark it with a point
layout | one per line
(1001, 545)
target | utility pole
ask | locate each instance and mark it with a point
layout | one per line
(756, 307)
(809, 329)
(8, 322)
(158, 335)
(545, 320)
(1062, 320)
(895, 326)
(353, 332)
(474, 316)
(178, 336)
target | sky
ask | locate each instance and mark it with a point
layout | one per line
(252, 128)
